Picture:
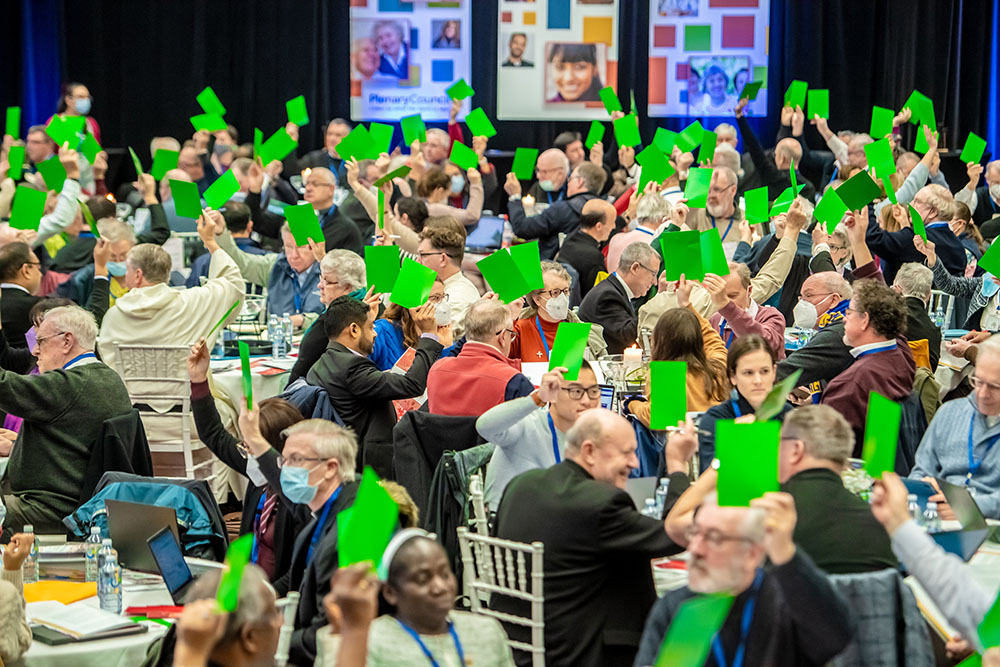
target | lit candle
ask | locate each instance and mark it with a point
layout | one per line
(632, 358)
(305, 175)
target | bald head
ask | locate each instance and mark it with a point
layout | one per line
(603, 207)
(553, 165)
(172, 175)
(603, 443)
(825, 290)
(787, 153)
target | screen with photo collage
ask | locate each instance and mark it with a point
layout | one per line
(702, 53)
(554, 56)
(405, 54)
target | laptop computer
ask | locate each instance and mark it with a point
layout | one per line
(965, 542)
(485, 236)
(170, 563)
(607, 396)
(131, 524)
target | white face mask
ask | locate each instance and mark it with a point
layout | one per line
(805, 314)
(558, 308)
(442, 314)
(254, 472)
(547, 185)
(995, 191)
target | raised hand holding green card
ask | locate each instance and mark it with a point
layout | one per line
(690, 136)
(859, 191)
(881, 435)
(595, 134)
(756, 205)
(795, 96)
(295, 108)
(219, 192)
(918, 224)
(656, 167)
(819, 104)
(610, 99)
(881, 122)
(237, 556)
(381, 267)
(627, 130)
(667, 393)
(53, 173)
(682, 255)
(209, 122)
(373, 519)
(879, 156)
(750, 90)
(502, 276)
(247, 378)
(713, 257)
(163, 161)
(29, 206)
(395, 173)
(303, 224)
(209, 102)
(568, 348)
(277, 146)
(748, 460)
(90, 148)
(830, 210)
(694, 626)
(479, 124)
(975, 146)
(524, 163)
(13, 125)
(413, 129)
(187, 202)
(696, 188)
(135, 162)
(528, 260)
(707, 151)
(381, 136)
(15, 158)
(460, 90)
(463, 156)
(413, 284)
(664, 139)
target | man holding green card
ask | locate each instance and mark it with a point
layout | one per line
(327, 156)
(774, 172)
(984, 201)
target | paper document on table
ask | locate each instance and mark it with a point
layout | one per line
(930, 610)
(76, 620)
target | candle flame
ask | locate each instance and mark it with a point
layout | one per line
(111, 198)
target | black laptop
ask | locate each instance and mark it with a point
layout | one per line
(131, 525)
(485, 237)
(170, 563)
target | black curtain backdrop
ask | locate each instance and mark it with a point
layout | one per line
(145, 61)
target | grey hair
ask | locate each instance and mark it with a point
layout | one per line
(640, 251)
(840, 232)
(824, 432)
(725, 129)
(440, 134)
(549, 266)
(653, 208)
(752, 527)
(806, 206)
(914, 280)
(325, 173)
(941, 199)
(587, 427)
(389, 24)
(331, 441)
(77, 321)
(741, 270)
(115, 230)
(484, 318)
(562, 157)
(729, 173)
(991, 345)
(726, 156)
(250, 605)
(347, 265)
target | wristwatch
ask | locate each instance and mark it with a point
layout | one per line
(514, 198)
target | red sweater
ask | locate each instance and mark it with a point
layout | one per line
(769, 323)
(471, 383)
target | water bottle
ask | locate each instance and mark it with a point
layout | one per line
(29, 570)
(276, 335)
(109, 585)
(219, 349)
(106, 550)
(913, 507)
(91, 547)
(288, 329)
(939, 318)
(661, 495)
(932, 522)
(650, 508)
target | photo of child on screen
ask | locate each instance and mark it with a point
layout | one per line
(574, 72)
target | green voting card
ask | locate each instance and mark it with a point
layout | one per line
(690, 137)
(627, 130)
(258, 141)
(921, 108)
(164, 160)
(381, 267)
(791, 175)
(209, 102)
(223, 319)
(785, 199)
(245, 368)
(890, 194)
(830, 210)
(357, 144)
(819, 103)
(187, 202)
(696, 188)
(295, 108)
(682, 255)
(881, 122)
(413, 284)
(975, 146)
(381, 136)
(66, 130)
(53, 173)
(750, 90)
(366, 531)
(136, 163)
(921, 145)
(713, 258)
(460, 90)
(402, 172)
(756, 205)
(219, 192)
(748, 460)
(707, 151)
(694, 626)
(656, 167)
(463, 156)
(29, 206)
(413, 129)
(15, 158)
(918, 224)
(667, 393)
(479, 124)
(90, 148)
(89, 217)
(503, 276)
(303, 223)
(13, 125)
(210, 122)
(989, 627)
(879, 157)
(774, 402)
(610, 99)
(881, 435)
(237, 557)
(990, 261)
(528, 260)
(568, 348)
(524, 163)
(795, 96)
(381, 209)
(974, 660)
(631, 97)
(664, 139)
(595, 134)
(277, 146)
(859, 191)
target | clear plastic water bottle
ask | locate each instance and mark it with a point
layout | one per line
(276, 335)
(650, 508)
(913, 507)
(91, 547)
(289, 330)
(109, 585)
(661, 495)
(106, 550)
(29, 570)
(219, 349)
(939, 318)
(932, 522)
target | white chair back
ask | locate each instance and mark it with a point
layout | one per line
(492, 565)
(480, 520)
(943, 301)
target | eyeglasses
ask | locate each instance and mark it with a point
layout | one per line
(983, 384)
(713, 537)
(513, 334)
(437, 298)
(576, 393)
(323, 281)
(808, 297)
(428, 254)
(836, 247)
(319, 184)
(553, 293)
(42, 339)
(296, 461)
(648, 269)
(38, 264)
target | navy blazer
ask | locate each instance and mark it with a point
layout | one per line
(608, 304)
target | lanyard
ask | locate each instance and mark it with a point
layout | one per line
(712, 218)
(318, 530)
(642, 229)
(427, 651)
(876, 351)
(541, 334)
(85, 355)
(549, 194)
(720, 655)
(974, 465)
(296, 289)
(255, 552)
(736, 407)
(555, 440)
(722, 334)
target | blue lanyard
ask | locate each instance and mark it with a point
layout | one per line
(720, 655)
(296, 290)
(255, 552)
(712, 218)
(642, 229)
(974, 465)
(559, 198)
(881, 349)
(79, 357)
(318, 530)
(427, 651)
(722, 334)
(736, 407)
(555, 440)
(541, 333)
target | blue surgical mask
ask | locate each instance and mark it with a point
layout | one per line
(988, 289)
(117, 269)
(83, 106)
(457, 183)
(295, 484)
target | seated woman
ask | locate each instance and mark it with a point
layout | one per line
(962, 226)
(530, 432)
(423, 627)
(274, 521)
(395, 331)
(545, 309)
(751, 366)
(436, 187)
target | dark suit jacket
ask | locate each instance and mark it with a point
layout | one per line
(920, 327)
(352, 210)
(17, 305)
(362, 395)
(598, 583)
(583, 252)
(821, 359)
(339, 231)
(562, 216)
(607, 304)
(896, 248)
